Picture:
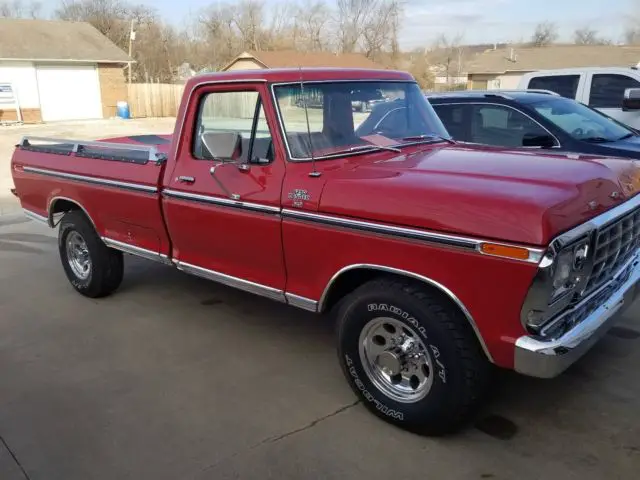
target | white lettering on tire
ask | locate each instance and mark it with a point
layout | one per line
(370, 398)
(383, 307)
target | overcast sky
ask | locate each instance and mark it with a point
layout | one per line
(479, 21)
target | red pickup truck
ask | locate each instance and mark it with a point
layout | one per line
(438, 261)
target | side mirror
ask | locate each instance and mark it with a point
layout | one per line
(539, 141)
(631, 99)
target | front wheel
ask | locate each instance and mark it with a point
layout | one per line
(411, 356)
(92, 268)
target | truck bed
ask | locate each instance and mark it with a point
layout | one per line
(103, 177)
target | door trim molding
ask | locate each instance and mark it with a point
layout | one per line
(135, 250)
(239, 283)
(225, 202)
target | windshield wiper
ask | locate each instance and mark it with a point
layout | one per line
(359, 148)
(429, 137)
(628, 135)
(597, 140)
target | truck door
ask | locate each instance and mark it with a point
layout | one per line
(606, 93)
(222, 199)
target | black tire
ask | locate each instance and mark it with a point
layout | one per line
(106, 267)
(460, 370)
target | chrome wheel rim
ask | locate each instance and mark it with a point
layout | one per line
(78, 255)
(396, 360)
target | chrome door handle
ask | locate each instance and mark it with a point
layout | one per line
(185, 179)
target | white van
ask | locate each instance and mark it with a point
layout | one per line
(612, 90)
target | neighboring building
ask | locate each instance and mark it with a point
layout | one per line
(503, 68)
(60, 70)
(184, 72)
(252, 60)
(449, 63)
(443, 82)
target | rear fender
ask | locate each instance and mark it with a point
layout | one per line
(58, 206)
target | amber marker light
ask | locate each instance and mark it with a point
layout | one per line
(506, 251)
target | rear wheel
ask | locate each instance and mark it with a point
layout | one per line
(92, 268)
(411, 356)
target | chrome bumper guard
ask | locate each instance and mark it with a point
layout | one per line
(537, 357)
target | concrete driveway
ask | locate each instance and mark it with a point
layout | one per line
(174, 377)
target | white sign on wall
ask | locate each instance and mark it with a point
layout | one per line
(9, 101)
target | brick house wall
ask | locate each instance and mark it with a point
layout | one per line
(113, 87)
(29, 115)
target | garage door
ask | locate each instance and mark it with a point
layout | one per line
(69, 92)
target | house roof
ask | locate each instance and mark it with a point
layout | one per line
(555, 56)
(294, 59)
(53, 40)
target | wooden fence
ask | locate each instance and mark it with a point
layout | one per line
(154, 99)
(163, 100)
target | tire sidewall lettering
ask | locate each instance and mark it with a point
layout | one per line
(381, 407)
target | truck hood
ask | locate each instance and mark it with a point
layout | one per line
(517, 196)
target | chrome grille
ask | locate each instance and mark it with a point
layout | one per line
(615, 243)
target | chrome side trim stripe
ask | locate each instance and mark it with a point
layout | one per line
(535, 254)
(138, 251)
(35, 216)
(463, 242)
(93, 180)
(301, 302)
(225, 202)
(246, 285)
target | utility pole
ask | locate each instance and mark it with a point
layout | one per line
(132, 37)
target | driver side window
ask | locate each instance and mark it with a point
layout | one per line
(502, 126)
(231, 126)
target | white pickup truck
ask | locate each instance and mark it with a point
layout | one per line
(614, 91)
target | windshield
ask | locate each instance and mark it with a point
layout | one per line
(348, 117)
(580, 121)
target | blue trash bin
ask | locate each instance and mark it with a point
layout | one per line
(122, 110)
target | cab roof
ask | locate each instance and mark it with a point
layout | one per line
(309, 74)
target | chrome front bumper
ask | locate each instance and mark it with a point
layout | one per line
(541, 358)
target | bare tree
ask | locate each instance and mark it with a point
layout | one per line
(632, 35)
(311, 26)
(588, 36)
(544, 34)
(380, 30)
(248, 19)
(448, 53)
(20, 9)
(419, 68)
(369, 25)
(585, 36)
(108, 16)
(350, 20)
(224, 29)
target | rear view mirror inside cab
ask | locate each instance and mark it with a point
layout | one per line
(631, 99)
(221, 146)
